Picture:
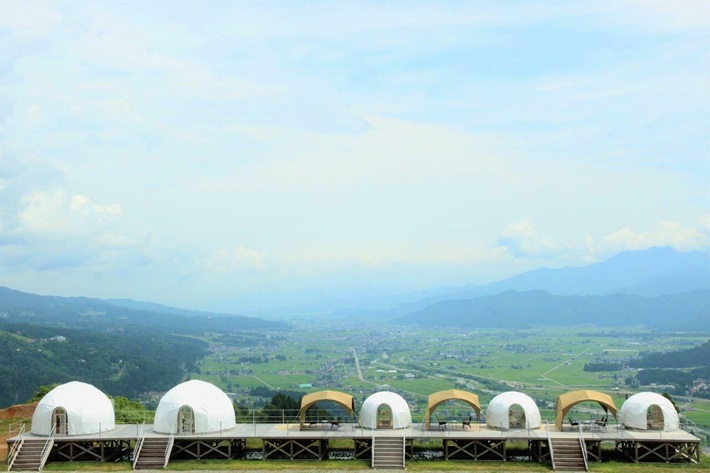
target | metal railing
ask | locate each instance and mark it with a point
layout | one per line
(549, 445)
(139, 445)
(46, 451)
(404, 451)
(583, 446)
(15, 449)
(169, 448)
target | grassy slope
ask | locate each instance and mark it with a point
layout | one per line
(356, 465)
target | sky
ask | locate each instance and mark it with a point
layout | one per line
(238, 156)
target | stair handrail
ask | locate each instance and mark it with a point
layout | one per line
(404, 451)
(169, 446)
(15, 449)
(46, 450)
(583, 446)
(139, 445)
(549, 445)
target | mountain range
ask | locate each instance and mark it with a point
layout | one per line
(97, 314)
(653, 272)
(685, 312)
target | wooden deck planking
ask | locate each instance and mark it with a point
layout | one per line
(477, 431)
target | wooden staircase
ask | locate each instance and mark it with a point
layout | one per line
(153, 454)
(567, 455)
(388, 453)
(29, 457)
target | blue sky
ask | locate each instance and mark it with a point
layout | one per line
(244, 155)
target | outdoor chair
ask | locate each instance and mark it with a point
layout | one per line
(466, 422)
(601, 423)
(573, 423)
(442, 423)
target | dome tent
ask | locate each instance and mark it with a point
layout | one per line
(385, 410)
(73, 408)
(194, 407)
(498, 414)
(647, 410)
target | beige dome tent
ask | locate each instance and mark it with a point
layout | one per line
(73, 408)
(647, 410)
(385, 410)
(194, 407)
(503, 414)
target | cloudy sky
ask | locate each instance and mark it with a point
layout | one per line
(241, 155)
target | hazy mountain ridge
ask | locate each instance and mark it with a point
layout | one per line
(688, 311)
(652, 272)
(96, 314)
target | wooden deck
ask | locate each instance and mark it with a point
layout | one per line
(458, 442)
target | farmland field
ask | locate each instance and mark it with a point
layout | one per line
(543, 362)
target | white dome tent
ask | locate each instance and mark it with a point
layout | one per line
(73, 408)
(513, 410)
(385, 410)
(647, 410)
(194, 407)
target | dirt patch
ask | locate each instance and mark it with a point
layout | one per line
(10, 415)
(20, 411)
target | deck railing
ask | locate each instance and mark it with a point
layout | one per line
(169, 448)
(549, 444)
(139, 445)
(15, 449)
(46, 451)
(583, 446)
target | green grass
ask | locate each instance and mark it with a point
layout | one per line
(361, 465)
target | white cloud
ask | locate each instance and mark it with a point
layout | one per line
(56, 214)
(234, 260)
(521, 238)
(667, 233)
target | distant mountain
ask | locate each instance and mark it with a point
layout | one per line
(164, 309)
(652, 272)
(688, 311)
(96, 314)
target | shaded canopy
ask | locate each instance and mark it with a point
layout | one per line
(345, 400)
(634, 412)
(498, 412)
(567, 401)
(449, 395)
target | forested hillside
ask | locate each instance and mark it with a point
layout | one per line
(122, 362)
(84, 312)
(682, 369)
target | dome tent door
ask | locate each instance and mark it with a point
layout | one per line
(516, 417)
(654, 417)
(384, 416)
(59, 417)
(186, 420)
